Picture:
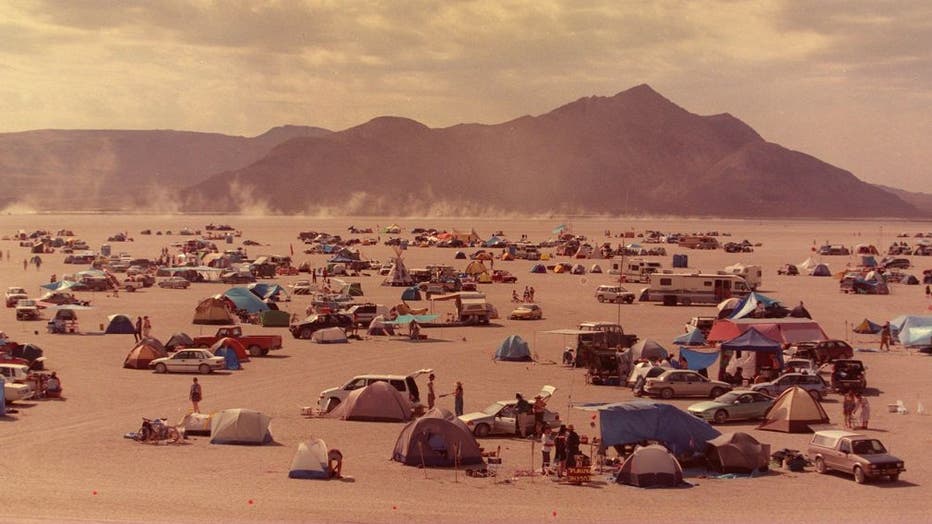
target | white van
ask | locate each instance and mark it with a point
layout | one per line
(693, 288)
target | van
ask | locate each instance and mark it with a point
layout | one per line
(753, 275)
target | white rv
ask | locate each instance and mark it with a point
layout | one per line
(693, 288)
(635, 269)
(753, 275)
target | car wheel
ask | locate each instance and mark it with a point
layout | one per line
(820, 465)
(601, 298)
(894, 477)
(666, 393)
(859, 475)
(173, 435)
(482, 430)
(306, 333)
(204, 369)
(720, 417)
(160, 368)
(630, 300)
(816, 395)
(716, 392)
(265, 351)
(332, 404)
(255, 351)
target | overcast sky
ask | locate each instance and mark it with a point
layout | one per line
(848, 82)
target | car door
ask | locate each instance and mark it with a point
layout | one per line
(504, 422)
(178, 362)
(744, 407)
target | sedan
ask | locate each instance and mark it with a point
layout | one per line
(814, 384)
(499, 419)
(174, 283)
(734, 405)
(684, 383)
(527, 312)
(188, 361)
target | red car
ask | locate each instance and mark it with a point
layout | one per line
(500, 275)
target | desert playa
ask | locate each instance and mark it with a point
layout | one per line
(68, 459)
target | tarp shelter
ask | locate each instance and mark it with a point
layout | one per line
(753, 350)
(179, 340)
(244, 299)
(240, 426)
(651, 467)
(142, 353)
(379, 327)
(693, 337)
(275, 318)
(460, 255)
(820, 270)
(230, 359)
(726, 307)
(800, 311)
(436, 441)
(755, 304)
(412, 293)
(648, 349)
(310, 461)
(913, 330)
(331, 335)
(231, 343)
(538, 268)
(119, 325)
(404, 320)
(866, 327)
(793, 411)
(377, 402)
(784, 330)
(737, 453)
(698, 359)
(266, 291)
(513, 349)
(213, 310)
(639, 420)
(61, 285)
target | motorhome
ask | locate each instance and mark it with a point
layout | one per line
(693, 288)
(636, 269)
(753, 274)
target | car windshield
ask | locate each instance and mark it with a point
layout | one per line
(868, 447)
(493, 409)
(729, 397)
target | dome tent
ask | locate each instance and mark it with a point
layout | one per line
(436, 441)
(310, 461)
(651, 467)
(513, 349)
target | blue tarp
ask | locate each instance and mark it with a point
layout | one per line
(513, 348)
(753, 340)
(246, 300)
(406, 319)
(265, 291)
(697, 360)
(411, 293)
(748, 305)
(231, 361)
(693, 338)
(639, 420)
(61, 285)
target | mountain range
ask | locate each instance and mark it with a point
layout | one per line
(632, 153)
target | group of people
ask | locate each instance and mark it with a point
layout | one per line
(143, 328)
(528, 296)
(563, 442)
(457, 395)
(856, 410)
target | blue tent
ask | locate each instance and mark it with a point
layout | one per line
(693, 338)
(538, 268)
(231, 361)
(638, 420)
(61, 285)
(754, 340)
(411, 293)
(266, 291)
(697, 360)
(119, 325)
(513, 348)
(246, 300)
(749, 304)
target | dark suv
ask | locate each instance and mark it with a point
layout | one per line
(849, 375)
(824, 351)
(309, 325)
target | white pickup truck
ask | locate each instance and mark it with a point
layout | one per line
(15, 386)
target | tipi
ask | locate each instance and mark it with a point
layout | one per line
(398, 275)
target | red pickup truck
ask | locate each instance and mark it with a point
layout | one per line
(257, 345)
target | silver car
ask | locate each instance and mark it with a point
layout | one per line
(814, 384)
(188, 361)
(684, 383)
(499, 418)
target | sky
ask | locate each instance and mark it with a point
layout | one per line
(849, 82)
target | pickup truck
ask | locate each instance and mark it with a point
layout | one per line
(257, 345)
(27, 309)
(16, 384)
(862, 456)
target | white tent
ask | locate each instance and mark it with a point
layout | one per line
(398, 275)
(310, 461)
(651, 466)
(331, 335)
(240, 426)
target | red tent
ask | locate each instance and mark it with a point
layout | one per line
(234, 344)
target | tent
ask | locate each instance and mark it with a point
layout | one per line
(412, 293)
(459, 255)
(578, 269)
(820, 270)
(513, 349)
(538, 268)
(240, 426)
(119, 325)
(266, 291)
(244, 299)
(699, 359)
(760, 306)
(651, 467)
(793, 411)
(310, 461)
(213, 310)
(595, 268)
(648, 349)
(179, 340)
(475, 268)
(379, 328)
(737, 453)
(784, 330)
(639, 420)
(231, 360)
(398, 275)
(754, 343)
(233, 344)
(436, 441)
(726, 307)
(377, 402)
(692, 338)
(331, 335)
(913, 330)
(147, 350)
(866, 327)
(800, 311)
(275, 318)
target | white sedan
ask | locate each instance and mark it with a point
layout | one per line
(499, 418)
(188, 361)
(174, 283)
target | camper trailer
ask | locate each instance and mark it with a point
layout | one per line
(636, 269)
(693, 288)
(753, 275)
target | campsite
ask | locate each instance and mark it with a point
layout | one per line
(70, 460)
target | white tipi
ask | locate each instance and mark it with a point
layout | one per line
(398, 275)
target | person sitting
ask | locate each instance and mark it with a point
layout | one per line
(568, 358)
(414, 330)
(53, 386)
(335, 464)
(737, 378)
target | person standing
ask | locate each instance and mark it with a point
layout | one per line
(864, 411)
(546, 446)
(431, 395)
(458, 399)
(848, 405)
(572, 445)
(196, 395)
(540, 405)
(530, 293)
(522, 409)
(138, 330)
(885, 337)
(146, 326)
(559, 456)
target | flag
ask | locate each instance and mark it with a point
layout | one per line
(292, 249)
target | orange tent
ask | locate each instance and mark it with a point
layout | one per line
(234, 344)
